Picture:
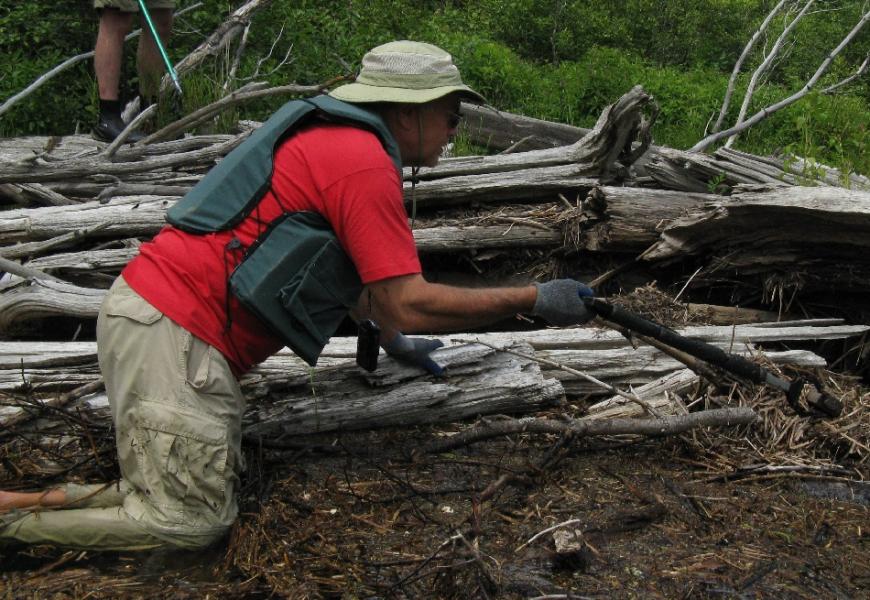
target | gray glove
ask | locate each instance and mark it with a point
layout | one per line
(559, 302)
(415, 351)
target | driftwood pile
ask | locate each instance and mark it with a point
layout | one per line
(557, 200)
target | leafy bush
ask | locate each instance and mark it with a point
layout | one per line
(563, 60)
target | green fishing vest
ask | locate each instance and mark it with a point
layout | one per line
(295, 277)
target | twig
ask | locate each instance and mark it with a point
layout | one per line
(61, 400)
(546, 531)
(861, 70)
(661, 426)
(513, 147)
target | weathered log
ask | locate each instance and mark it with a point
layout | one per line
(603, 150)
(727, 169)
(144, 215)
(60, 365)
(126, 216)
(660, 393)
(429, 240)
(38, 169)
(823, 224)
(481, 381)
(624, 219)
(499, 130)
(41, 298)
(629, 367)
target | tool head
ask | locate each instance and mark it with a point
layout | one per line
(801, 394)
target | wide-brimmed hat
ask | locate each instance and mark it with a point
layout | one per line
(407, 72)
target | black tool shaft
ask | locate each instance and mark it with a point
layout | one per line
(732, 363)
(706, 352)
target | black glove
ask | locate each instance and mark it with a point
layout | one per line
(559, 302)
(415, 351)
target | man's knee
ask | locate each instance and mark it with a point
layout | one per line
(115, 22)
(162, 19)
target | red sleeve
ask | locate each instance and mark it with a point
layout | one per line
(367, 212)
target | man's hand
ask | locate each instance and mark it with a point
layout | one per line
(415, 351)
(559, 302)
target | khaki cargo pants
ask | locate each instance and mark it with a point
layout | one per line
(133, 5)
(177, 410)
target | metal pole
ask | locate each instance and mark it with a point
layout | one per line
(160, 47)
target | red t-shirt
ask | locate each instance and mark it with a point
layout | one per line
(341, 172)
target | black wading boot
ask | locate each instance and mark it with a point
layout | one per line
(111, 125)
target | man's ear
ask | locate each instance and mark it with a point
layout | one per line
(406, 117)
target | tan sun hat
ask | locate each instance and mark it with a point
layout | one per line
(408, 72)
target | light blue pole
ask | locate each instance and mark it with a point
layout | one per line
(160, 47)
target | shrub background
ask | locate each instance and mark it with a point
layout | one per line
(558, 60)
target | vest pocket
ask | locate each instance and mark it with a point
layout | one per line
(318, 298)
(299, 281)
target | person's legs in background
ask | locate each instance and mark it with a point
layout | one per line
(148, 59)
(108, 61)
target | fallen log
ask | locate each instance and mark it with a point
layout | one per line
(657, 427)
(499, 130)
(481, 381)
(625, 219)
(53, 366)
(111, 261)
(798, 239)
(727, 169)
(342, 396)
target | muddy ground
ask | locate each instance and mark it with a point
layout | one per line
(367, 515)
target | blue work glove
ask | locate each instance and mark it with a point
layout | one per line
(415, 351)
(559, 302)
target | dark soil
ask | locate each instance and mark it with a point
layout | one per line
(366, 516)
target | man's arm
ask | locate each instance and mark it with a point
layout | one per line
(411, 304)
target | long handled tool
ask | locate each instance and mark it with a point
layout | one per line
(169, 67)
(795, 391)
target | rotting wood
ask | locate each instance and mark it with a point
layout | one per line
(783, 241)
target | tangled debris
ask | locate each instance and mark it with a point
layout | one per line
(776, 508)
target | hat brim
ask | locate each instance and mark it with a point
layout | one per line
(361, 92)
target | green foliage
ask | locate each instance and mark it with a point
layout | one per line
(563, 60)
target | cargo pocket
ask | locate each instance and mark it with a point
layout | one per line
(182, 460)
(318, 298)
(122, 301)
